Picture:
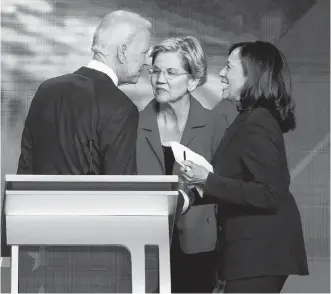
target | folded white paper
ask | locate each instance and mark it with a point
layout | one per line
(178, 151)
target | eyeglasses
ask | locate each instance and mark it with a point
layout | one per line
(169, 73)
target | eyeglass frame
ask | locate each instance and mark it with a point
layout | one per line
(165, 73)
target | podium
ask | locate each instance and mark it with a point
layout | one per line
(89, 210)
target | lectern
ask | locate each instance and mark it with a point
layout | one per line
(88, 210)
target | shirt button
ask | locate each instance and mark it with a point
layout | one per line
(209, 219)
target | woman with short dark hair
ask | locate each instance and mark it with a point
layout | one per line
(261, 241)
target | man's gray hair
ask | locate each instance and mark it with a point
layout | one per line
(116, 28)
(192, 53)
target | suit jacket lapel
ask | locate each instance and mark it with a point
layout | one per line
(149, 128)
(231, 131)
(196, 120)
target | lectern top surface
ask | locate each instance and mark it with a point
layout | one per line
(92, 178)
(91, 182)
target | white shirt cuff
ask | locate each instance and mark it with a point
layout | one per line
(200, 191)
(186, 201)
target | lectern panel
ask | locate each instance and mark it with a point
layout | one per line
(84, 230)
(90, 202)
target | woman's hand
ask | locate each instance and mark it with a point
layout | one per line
(194, 174)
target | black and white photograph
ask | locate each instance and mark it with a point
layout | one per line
(165, 146)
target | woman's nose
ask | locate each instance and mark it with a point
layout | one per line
(161, 77)
(222, 72)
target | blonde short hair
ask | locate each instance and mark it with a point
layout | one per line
(192, 53)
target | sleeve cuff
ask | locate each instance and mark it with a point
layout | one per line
(212, 184)
(200, 191)
(186, 201)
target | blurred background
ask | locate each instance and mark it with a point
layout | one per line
(41, 39)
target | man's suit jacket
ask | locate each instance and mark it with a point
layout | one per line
(203, 131)
(71, 112)
(261, 226)
(67, 114)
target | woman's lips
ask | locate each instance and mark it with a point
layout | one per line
(225, 85)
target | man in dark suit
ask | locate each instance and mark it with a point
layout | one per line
(82, 123)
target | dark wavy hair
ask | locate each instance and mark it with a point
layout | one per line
(268, 82)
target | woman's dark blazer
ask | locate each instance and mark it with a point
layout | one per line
(261, 225)
(203, 132)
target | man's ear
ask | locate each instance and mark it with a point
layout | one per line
(192, 85)
(121, 51)
(149, 59)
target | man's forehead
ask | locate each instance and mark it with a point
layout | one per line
(143, 38)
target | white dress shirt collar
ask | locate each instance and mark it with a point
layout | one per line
(99, 66)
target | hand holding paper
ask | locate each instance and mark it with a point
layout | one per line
(194, 174)
(180, 151)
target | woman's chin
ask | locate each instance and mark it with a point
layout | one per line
(225, 96)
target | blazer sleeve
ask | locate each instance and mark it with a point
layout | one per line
(219, 125)
(261, 158)
(187, 199)
(25, 162)
(5, 249)
(118, 140)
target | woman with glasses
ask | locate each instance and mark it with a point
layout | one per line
(178, 68)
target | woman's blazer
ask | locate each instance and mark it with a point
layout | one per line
(204, 129)
(261, 225)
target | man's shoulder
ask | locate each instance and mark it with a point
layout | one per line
(105, 92)
(51, 88)
(111, 100)
(113, 96)
(57, 81)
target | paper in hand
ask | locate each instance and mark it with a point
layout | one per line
(178, 151)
